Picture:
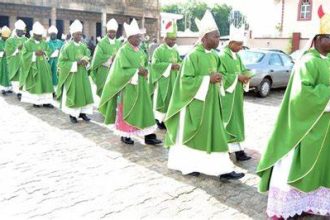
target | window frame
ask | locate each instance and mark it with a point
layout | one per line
(278, 56)
(299, 18)
(284, 56)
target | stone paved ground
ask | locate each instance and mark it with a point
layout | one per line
(51, 169)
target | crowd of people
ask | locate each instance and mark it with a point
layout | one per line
(198, 100)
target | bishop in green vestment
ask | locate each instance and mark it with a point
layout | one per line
(237, 78)
(74, 89)
(55, 46)
(126, 100)
(295, 166)
(13, 51)
(195, 131)
(36, 80)
(104, 55)
(164, 70)
(5, 85)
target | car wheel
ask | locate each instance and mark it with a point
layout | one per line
(264, 88)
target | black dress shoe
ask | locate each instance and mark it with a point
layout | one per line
(161, 125)
(9, 92)
(153, 142)
(36, 106)
(241, 156)
(48, 105)
(3, 92)
(127, 140)
(194, 174)
(151, 139)
(73, 119)
(232, 176)
(84, 117)
(19, 96)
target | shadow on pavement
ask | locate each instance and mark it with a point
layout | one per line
(273, 99)
(240, 195)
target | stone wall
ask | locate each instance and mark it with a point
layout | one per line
(88, 11)
(40, 14)
(127, 7)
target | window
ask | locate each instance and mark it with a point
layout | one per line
(4, 20)
(287, 61)
(275, 60)
(60, 28)
(98, 29)
(305, 10)
(120, 30)
(251, 57)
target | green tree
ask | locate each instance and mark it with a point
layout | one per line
(195, 9)
(221, 15)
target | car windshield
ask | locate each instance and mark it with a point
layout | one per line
(251, 57)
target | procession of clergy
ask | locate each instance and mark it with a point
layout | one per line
(198, 100)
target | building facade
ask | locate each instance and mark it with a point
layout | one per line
(93, 14)
(301, 16)
(298, 21)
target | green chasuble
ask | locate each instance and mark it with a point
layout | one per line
(302, 126)
(203, 124)
(233, 115)
(162, 58)
(4, 78)
(100, 66)
(134, 94)
(35, 73)
(14, 56)
(76, 84)
(55, 46)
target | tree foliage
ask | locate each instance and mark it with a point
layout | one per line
(195, 9)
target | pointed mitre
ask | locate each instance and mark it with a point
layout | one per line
(132, 29)
(207, 24)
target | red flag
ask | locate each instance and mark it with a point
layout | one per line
(320, 11)
(168, 25)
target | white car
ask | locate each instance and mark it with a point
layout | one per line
(296, 55)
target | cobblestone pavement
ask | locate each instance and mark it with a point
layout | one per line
(52, 169)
